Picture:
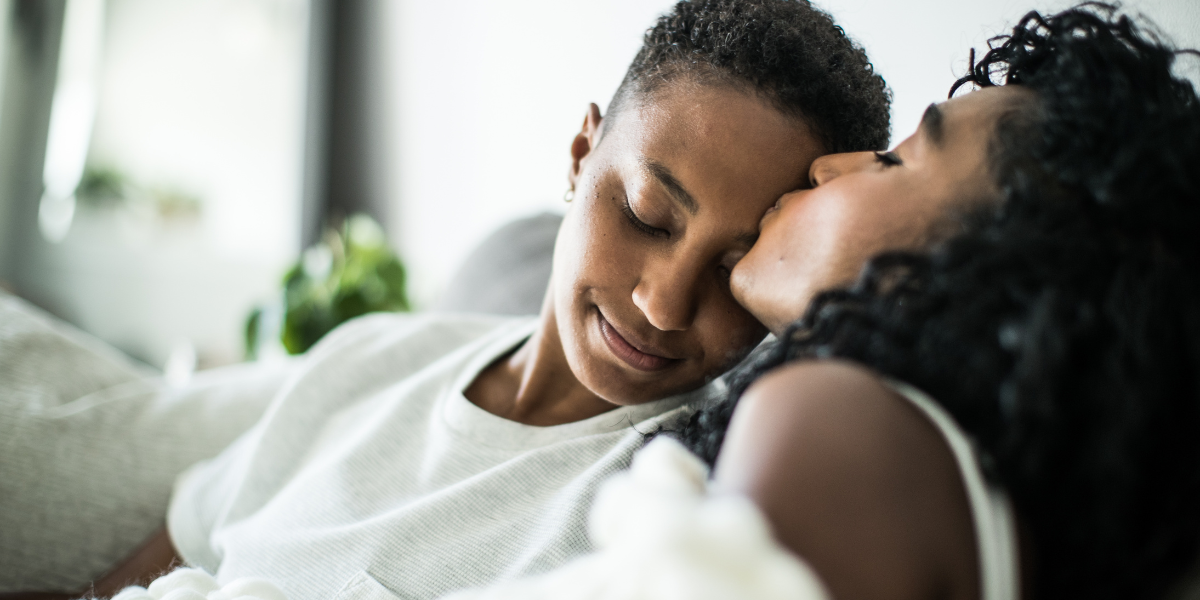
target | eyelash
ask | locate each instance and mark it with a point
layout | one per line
(641, 225)
(888, 159)
(648, 229)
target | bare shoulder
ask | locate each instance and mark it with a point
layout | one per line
(856, 480)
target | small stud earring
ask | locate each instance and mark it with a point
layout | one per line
(569, 195)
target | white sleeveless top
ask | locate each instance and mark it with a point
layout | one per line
(995, 529)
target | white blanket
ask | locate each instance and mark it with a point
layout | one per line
(90, 444)
(660, 536)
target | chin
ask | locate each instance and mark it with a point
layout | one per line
(783, 314)
(758, 306)
(623, 385)
(616, 386)
(620, 383)
(773, 304)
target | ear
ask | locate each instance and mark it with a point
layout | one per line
(585, 141)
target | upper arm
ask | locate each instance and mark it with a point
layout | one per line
(855, 480)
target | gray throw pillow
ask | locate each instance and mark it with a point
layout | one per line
(508, 273)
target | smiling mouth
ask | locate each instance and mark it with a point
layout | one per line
(642, 361)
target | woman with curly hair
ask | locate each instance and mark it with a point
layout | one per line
(1009, 403)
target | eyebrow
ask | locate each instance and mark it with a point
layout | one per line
(668, 181)
(931, 122)
(681, 195)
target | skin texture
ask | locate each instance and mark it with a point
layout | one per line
(658, 270)
(855, 480)
(861, 205)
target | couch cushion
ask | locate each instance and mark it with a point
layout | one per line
(508, 273)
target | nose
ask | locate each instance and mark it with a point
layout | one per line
(832, 166)
(667, 294)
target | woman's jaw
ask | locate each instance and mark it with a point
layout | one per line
(862, 204)
(636, 353)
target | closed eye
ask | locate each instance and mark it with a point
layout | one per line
(888, 159)
(641, 225)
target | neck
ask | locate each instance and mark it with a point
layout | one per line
(534, 384)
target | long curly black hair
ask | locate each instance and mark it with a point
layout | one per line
(787, 50)
(1061, 329)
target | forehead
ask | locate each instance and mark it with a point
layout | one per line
(949, 155)
(974, 115)
(719, 142)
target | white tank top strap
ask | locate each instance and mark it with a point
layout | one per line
(994, 522)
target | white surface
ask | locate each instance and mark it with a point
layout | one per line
(147, 287)
(206, 97)
(203, 97)
(370, 457)
(921, 47)
(661, 536)
(92, 444)
(71, 114)
(194, 584)
(490, 95)
(6, 249)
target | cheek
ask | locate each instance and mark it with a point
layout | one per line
(790, 252)
(568, 254)
(573, 277)
(745, 274)
(595, 254)
(825, 242)
(809, 245)
(591, 262)
(769, 286)
(728, 333)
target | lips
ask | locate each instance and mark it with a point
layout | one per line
(774, 207)
(637, 358)
(778, 206)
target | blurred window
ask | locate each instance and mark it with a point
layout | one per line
(179, 126)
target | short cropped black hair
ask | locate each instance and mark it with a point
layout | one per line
(786, 50)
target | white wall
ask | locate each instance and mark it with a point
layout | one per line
(5, 200)
(920, 48)
(204, 98)
(490, 94)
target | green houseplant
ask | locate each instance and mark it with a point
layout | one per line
(351, 272)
